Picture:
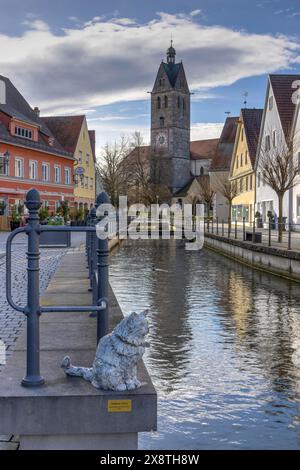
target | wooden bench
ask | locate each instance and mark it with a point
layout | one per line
(254, 237)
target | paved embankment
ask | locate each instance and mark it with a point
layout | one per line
(68, 405)
(281, 262)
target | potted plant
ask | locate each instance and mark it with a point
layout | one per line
(43, 215)
(64, 210)
(2, 207)
(259, 221)
(15, 219)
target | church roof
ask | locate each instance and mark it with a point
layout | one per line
(172, 71)
(203, 149)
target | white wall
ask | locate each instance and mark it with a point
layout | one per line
(296, 189)
(197, 164)
(265, 194)
(220, 204)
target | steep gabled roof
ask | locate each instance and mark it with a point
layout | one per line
(222, 158)
(282, 89)
(172, 71)
(252, 121)
(203, 149)
(66, 129)
(17, 107)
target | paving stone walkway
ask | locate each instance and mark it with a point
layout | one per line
(12, 322)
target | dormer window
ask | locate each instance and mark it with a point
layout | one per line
(23, 132)
(51, 141)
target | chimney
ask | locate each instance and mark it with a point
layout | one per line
(2, 92)
(36, 110)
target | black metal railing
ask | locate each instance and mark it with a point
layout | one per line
(267, 233)
(97, 256)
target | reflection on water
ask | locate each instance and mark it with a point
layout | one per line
(225, 347)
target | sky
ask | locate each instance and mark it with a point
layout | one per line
(100, 57)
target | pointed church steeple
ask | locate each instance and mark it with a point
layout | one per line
(171, 53)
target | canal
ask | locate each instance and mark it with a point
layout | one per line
(225, 347)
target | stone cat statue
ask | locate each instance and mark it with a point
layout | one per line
(114, 367)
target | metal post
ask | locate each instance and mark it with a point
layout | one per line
(228, 229)
(244, 229)
(270, 236)
(208, 224)
(290, 237)
(33, 377)
(235, 229)
(212, 225)
(102, 267)
(217, 225)
(222, 228)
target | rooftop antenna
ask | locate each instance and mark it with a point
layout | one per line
(228, 113)
(245, 94)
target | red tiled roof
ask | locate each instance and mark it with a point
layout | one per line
(203, 149)
(252, 121)
(282, 88)
(222, 157)
(92, 135)
(66, 129)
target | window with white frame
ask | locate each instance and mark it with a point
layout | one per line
(87, 159)
(267, 143)
(45, 172)
(79, 156)
(57, 205)
(19, 167)
(67, 176)
(22, 132)
(298, 206)
(258, 180)
(246, 157)
(274, 139)
(57, 174)
(3, 165)
(86, 180)
(33, 170)
(91, 183)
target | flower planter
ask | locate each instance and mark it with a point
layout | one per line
(48, 239)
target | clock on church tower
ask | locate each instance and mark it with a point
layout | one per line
(170, 125)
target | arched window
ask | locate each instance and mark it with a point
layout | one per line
(158, 102)
(178, 102)
(161, 121)
(166, 101)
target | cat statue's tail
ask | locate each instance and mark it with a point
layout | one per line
(74, 371)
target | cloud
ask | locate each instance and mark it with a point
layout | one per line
(206, 130)
(105, 61)
(196, 12)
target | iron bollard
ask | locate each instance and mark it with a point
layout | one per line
(253, 232)
(222, 228)
(102, 270)
(244, 229)
(235, 229)
(32, 311)
(212, 225)
(290, 237)
(270, 237)
(229, 227)
(217, 225)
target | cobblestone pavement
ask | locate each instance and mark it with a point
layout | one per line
(12, 322)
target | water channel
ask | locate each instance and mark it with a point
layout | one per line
(225, 347)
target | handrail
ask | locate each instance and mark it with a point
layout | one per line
(98, 272)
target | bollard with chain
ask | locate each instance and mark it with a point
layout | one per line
(253, 232)
(290, 237)
(235, 229)
(217, 225)
(229, 227)
(244, 229)
(270, 227)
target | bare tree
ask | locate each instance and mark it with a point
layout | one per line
(278, 163)
(114, 174)
(207, 193)
(142, 189)
(228, 189)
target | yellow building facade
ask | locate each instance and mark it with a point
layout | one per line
(242, 172)
(84, 168)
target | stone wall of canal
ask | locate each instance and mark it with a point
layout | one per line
(284, 263)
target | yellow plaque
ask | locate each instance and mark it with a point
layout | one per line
(119, 406)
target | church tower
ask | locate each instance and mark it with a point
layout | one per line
(170, 125)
